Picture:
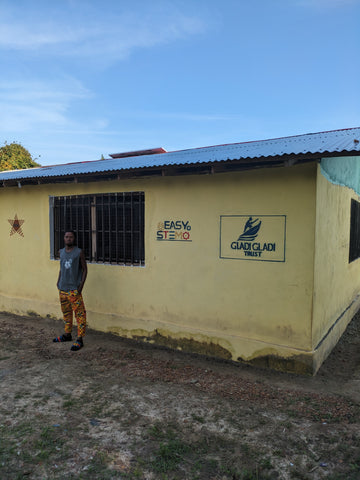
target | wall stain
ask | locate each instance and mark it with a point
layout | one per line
(299, 364)
(186, 345)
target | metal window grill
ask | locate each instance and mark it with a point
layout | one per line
(354, 248)
(109, 226)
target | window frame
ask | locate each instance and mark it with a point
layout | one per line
(354, 241)
(110, 226)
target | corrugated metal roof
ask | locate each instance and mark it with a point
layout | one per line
(324, 143)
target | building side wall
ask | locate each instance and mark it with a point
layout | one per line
(186, 296)
(336, 281)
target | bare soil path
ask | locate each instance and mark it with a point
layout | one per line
(122, 410)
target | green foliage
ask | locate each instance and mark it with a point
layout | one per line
(169, 455)
(14, 156)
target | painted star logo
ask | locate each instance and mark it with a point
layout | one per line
(16, 226)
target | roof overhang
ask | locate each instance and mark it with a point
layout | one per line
(210, 168)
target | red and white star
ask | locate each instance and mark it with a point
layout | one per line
(16, 226)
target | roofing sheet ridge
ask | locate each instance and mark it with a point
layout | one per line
(289, 137)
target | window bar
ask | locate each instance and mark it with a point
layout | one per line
(58, 221)
(124, 229)
(63, 221)
(65, 207)
(92, 229)
(143, 228)
(116, 230)
(58, 218)
(103, 229)
(73, 213)
(88, 211)
(66, 218)
(62, 213)
(109, 224)
(141, 258)
(131, 229)
(53, 226)
(136, 231)
(137, 217)
(87, 239)
(81, 207)
(69, 224)
(67, 215)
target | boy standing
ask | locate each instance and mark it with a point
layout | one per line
(72, 276)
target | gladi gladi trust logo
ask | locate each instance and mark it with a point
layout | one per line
(253, 237)
(251, 230)
(246, 242)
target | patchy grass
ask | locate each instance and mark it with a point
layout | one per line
(198, 448)
(115, 411)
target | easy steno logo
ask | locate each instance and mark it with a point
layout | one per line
(250, 237)
(174, 231)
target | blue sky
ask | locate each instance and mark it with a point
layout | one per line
(80, 79)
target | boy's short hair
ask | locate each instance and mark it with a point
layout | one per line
(71, 231)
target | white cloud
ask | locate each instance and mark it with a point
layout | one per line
(36, 90)
(28, 105)
(112, 37)
(17, 36)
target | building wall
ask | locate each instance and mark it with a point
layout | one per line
(186, 296)
(336, 281)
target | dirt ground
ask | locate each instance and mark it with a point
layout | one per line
(121, 410)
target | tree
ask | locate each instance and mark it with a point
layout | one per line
(14, 156)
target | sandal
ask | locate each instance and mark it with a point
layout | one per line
(77, 345)
(65, 337)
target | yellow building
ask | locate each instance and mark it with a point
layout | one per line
(246, 251)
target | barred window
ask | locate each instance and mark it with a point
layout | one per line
(109, 227)
(354, 250)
